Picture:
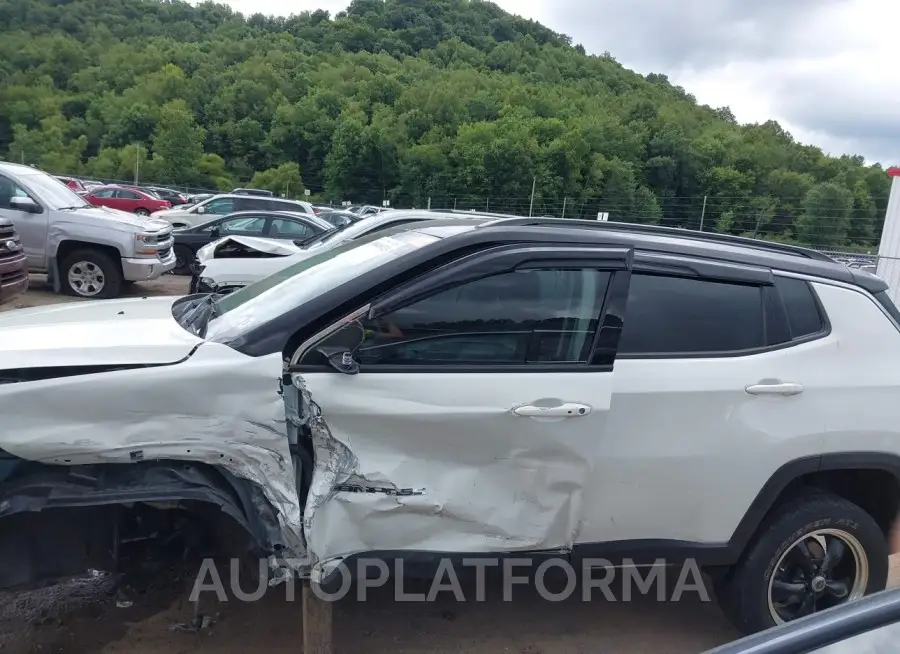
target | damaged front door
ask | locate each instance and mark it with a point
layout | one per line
(464, 412)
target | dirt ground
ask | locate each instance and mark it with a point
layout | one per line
(92, 617)
(41, 293)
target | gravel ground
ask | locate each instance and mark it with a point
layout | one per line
(90, 616)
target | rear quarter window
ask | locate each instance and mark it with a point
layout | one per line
(802, 307)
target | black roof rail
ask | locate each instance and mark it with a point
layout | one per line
(657, 230)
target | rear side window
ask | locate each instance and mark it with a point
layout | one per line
(801, 306)
(671, 316)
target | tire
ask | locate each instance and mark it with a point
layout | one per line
(92, 265)
(142, 212)
(183, 258)
(773, 567)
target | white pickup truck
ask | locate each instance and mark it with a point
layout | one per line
(87, 251)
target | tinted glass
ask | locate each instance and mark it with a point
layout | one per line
(283, 227)
(127, 195)
(674, 315)
(243, 225)
(219, 207)
(512, 318)
(250, 203)
(105, 193)
(800, 305)
(9, 190)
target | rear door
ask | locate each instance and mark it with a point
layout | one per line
(479, 407)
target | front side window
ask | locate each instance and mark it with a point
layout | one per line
(253, 225)
(671, 316)
(513, 318)
(284, 228)
(9, 190)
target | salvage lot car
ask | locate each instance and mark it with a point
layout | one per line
(515, 386)
(222, 267)
(270, 224)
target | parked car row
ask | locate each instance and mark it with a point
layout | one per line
(221, 267)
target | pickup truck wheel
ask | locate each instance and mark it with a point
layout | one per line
(815, 552)
(183, 258)
(90, 274)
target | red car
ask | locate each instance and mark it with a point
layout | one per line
(72, 183)
(126, 199)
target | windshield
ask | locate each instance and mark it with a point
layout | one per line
(52, 192)
(260, 302)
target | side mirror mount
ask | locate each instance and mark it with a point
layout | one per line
(338, 348)
(25, 204)
(340, 359)
(214, 232)
(201, 209)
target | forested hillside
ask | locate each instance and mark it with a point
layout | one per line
(403, 100)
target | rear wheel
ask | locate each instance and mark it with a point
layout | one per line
(90, 274)
(142, 212)
(815, 552)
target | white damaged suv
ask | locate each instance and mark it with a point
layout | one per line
(465, 387)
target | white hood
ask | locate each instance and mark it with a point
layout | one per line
(268, 245)
(95, 333)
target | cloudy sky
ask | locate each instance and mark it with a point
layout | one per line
(823, 68)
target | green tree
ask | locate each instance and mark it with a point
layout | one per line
(177, 142)
(284, 180)
(827, 212)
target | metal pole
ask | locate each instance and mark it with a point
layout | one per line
(487, 204)
(564, 207)
(429, 203)
(702, 213)
(531, 206)
(137, 163)
(454, 204)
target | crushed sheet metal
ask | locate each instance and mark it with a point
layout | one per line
(236, 421)
(267, 245)
(481, 487)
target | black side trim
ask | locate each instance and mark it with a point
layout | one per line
(793, 470)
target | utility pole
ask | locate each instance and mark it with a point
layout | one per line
(702, 213)
(564, 207)
(429, 203)
(531, 206)
(454, 204)
(137, 163)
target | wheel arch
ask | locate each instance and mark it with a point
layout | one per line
(871, 480)
(85, 505)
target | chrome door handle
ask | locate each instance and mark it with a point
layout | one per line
(786, 388)
(565, 410)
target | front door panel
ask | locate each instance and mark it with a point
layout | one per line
(440, 462)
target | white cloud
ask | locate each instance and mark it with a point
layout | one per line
(823, 68)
